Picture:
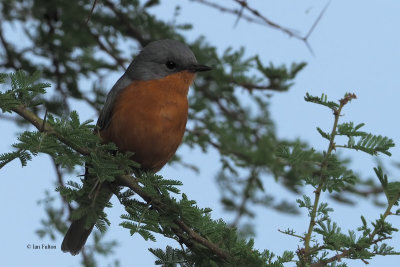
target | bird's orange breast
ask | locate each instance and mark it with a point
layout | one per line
(149, 119)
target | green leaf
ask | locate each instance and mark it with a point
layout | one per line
(323, 100)
(393, 192)
(324, 134)
(151, 3)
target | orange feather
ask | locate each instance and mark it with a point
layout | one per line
(149, 119)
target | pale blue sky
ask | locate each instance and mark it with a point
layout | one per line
(356, 47)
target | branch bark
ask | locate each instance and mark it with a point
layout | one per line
(38, 123)
(128, 181)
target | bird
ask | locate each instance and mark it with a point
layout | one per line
(145, 112)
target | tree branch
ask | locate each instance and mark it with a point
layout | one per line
(250, 87)
(245, 198)
(332, 259)
(262, 20)
(38, 123)
(128, 181)
(267, 21)
(230, 10)
(318, 190)
(344, 254)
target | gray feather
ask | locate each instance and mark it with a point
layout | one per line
(149, 64)
(106, 112)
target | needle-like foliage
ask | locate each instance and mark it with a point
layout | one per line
(155, 205)
(76, 45)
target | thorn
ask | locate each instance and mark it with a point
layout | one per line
(238, 17)
(44, 121)
(317, 20)
(305, 38)
(309, 47)
(366, 262)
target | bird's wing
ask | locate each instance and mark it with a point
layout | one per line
(106, 113)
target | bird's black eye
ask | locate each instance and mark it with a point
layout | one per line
(170, 65)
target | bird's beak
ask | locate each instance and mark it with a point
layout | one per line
(198, 68)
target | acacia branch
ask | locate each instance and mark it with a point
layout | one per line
(262, 20)
(237, 12)
(269, 22)
(245, 199)
(345, 253)
(259, 18)
(317, 192)
(128, 181)
(337, 257)
(324, 164)
(250, 87)
(45, 127)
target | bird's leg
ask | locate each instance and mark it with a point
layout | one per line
(96, 187)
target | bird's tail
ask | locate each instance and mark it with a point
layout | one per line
(76, 236)
(80, 229)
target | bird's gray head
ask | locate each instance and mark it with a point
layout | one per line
(162, 58)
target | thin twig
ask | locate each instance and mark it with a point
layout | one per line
(91, 12)
(60, 181)
(317, 20)
(250, 87)
(317, 191)
(267, 21)
(262, 20)
(344, 254)
(230, 10)
(245, 198)
(238, 17)
(291, 234)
